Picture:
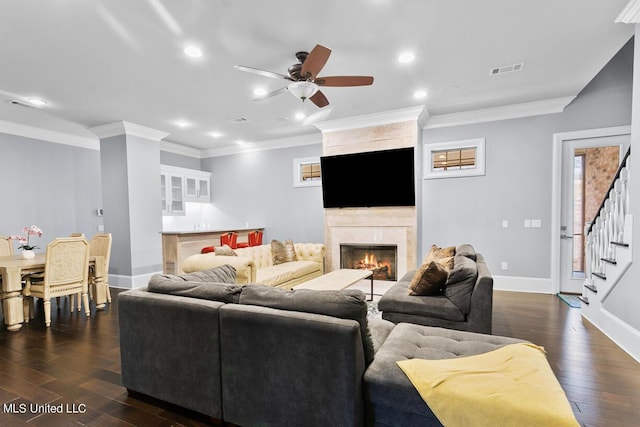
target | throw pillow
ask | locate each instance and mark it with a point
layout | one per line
(225, 250)
(466, 250)
(436, 252)
(283, 252)
(428, 279)
(461, 281)
(344, 304)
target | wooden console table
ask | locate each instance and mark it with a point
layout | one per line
(179, 245)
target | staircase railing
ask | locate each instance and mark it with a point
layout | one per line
(607, 228)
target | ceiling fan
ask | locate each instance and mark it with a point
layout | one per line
(304, 78)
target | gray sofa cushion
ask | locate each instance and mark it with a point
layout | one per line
(386, 386)
(223, 274)
(398, 300)
(216, 284)
(462, 278)
(344, 304)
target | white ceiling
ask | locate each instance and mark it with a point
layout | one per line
(98, 62)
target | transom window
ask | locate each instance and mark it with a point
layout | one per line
(310, 171)
(454, 159)
(307, 172)
(463, 158)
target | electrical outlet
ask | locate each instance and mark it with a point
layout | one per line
(504, 266)
(100, 228)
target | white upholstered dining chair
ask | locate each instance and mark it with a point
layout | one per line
(66, 272)
(6, 246)
(100, 246)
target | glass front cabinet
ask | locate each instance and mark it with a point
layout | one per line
(180, 185)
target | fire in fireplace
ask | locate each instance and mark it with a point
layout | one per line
(380, 259)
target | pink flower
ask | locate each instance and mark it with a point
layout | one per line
(34, 230)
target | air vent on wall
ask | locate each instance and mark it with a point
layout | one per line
(21, 103)
(239, 120)
(506, 69)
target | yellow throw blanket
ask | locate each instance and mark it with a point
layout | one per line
(511, 386)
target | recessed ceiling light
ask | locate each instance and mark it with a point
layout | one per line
(240, 142)
(406, 57)
(193, 51)
(182, 123)
(420, 94)
(299, 116)
(215, 134)
(259, 91)
(38, 102)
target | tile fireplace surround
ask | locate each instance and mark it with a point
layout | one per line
(372, 226)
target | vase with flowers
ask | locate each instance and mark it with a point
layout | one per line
(24, 239)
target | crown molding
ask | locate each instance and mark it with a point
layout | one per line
(273, 144)
(505, 112)
(418, 113)
(630, 13)
(49, 135)
(172, 147)
(127, 128)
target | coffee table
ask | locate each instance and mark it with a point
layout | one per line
(337, 279)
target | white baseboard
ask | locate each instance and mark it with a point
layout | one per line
(522, 284)
(623, 335)
(130, 282)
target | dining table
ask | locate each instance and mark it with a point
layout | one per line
(12, 270)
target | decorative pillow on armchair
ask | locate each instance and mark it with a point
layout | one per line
(429, 279)
(436, 253)
(283, 252)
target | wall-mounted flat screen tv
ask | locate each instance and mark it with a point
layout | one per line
(375, 178)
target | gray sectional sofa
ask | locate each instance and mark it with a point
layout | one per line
(259, 356)
(445, 309)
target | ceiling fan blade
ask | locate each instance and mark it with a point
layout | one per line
(315, 61)
(341, 81)
(319, 99)
(260, 72)
(271, 94)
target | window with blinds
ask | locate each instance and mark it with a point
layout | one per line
(310, 171)
(454, 159)
(464, 158)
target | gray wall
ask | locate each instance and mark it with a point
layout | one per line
(54, 186)
(257, 187)
(179, 160)
(517, 184)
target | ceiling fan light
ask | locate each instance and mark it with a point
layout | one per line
(303, 89)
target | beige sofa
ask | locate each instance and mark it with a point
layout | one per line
(255, 265)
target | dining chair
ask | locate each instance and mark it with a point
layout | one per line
(66, 272)
(230, 239)
(71, 297)
(100, 247)
(76, 235)
(6, 246)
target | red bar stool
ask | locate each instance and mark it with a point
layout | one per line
(254, 238)
(230, 239)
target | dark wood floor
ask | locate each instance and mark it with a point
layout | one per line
(77, 362)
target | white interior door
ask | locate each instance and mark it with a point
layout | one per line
(574, 214)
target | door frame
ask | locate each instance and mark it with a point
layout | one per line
(556, 188)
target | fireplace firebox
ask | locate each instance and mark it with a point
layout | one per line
(380, 259)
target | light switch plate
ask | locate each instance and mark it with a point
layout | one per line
(527, 223)
(536, 223)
